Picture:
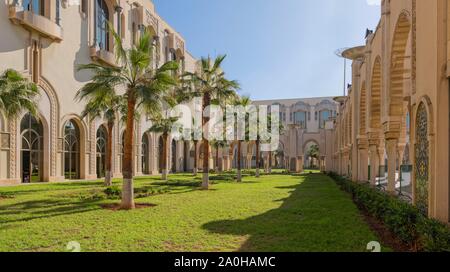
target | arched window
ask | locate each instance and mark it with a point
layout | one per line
(122, 149)
(174, 156)
(422, 159)
(71, 150)
(31, 131)
(84, 6)
(166, 46)
(102, 136)
(324, 116)
(145, 154)
(58, 12)
(133, 33)
(173, 55)
(36, 6)
(1, 122)
(122, 26)
(101, 29)
(300, 119)
(160, 151)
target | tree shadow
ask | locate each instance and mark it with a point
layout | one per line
(316, 217)
(45, 208)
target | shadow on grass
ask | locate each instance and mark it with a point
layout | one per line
(315, 217)
(45, 208)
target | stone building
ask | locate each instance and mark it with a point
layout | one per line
(395, 120)
(46, 40)
(306, 122)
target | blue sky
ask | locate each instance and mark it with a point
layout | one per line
(275, 48)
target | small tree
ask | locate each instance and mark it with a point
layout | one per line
(243, 102)
(270, 129)
(210, 84)
(218, 144)
(145, 89)
(17, 94)
(313, 153)
(102, 102)
(165, 127)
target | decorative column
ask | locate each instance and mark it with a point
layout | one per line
(92, 151)
(155, 162)
(401, 153)
(249, 162)
(299, 167)
(391, 146)
(363, 164)
(363, 159)
(138, 154)
(374, 162)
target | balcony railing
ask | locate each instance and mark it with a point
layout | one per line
(35, 22)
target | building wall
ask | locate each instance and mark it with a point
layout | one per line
(52, 63)
(400, 75)
(296, 139)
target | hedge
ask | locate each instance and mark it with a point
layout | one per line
(400, 217)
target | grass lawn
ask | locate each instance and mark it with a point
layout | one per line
(272, 213)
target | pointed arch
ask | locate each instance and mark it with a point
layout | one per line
(2, 122)
(101, 145)
(422, 159)
(398, 71)
(375, 96)
(145, 153)
(173, 156)
(73, 149)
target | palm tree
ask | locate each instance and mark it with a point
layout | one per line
(195, 141)
(102, 101)
(17, 94)
(165, 127)
(217, 144)
(145, 88)
(313, 153)
(269, 129)
(244, 102)
(210, 84)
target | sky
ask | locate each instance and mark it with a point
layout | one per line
(276, 49)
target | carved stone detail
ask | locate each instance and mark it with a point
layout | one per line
(5, 141)
(54, 123)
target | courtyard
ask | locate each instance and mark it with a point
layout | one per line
(276, 212)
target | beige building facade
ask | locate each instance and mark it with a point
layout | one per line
(394, 122)
(305, 122)
(46, 41)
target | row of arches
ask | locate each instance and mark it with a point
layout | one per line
(384, 127)
(32, 149)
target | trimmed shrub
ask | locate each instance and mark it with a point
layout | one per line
(113, 192)
(401, 218)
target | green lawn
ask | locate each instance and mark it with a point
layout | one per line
(273, 213)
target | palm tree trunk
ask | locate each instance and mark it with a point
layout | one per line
(239, 173)
(127, 168)
(164, 156)
(195, 158)
(217, 159)
(205, 120)
(257, 159)
(270, 162)
(108, 170)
